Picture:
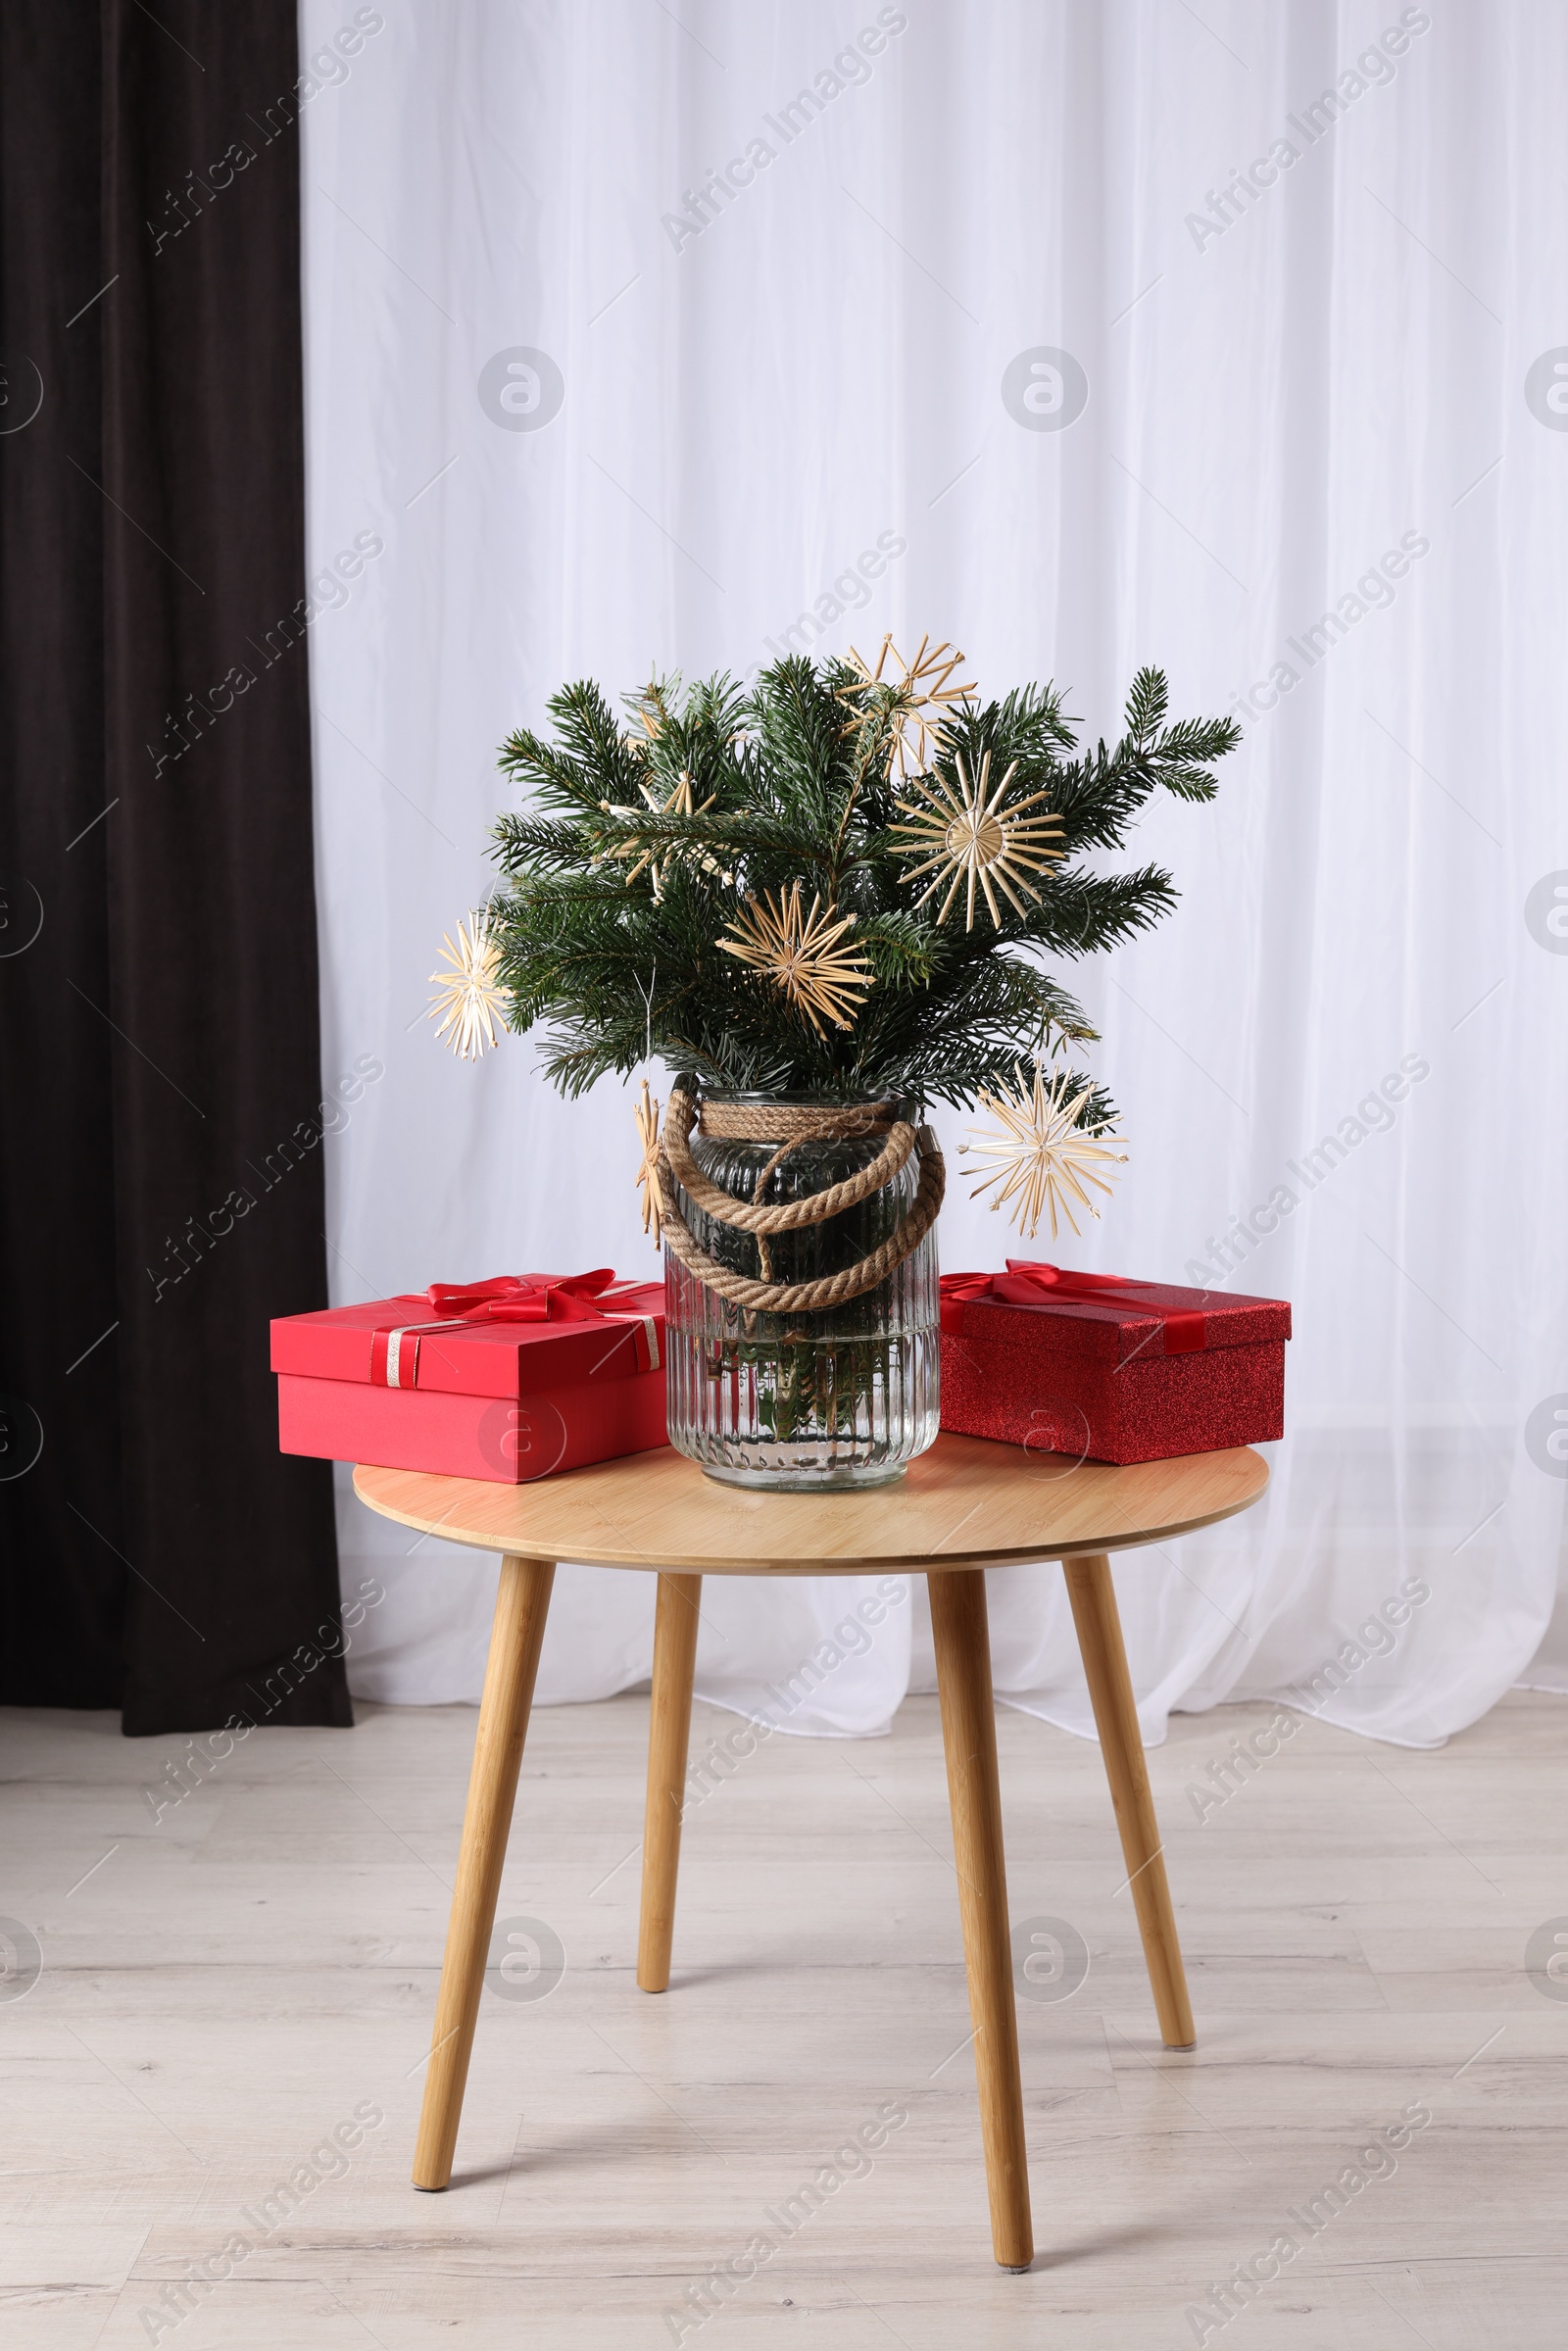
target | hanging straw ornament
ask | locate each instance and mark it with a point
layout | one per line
(646, 1113)
(469, 995)
(922, 700)
(661, 856)
(969, 837)
(801, 956)
(1041, 1159)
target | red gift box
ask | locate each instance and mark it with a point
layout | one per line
(1108, 1369)
(506, 1380)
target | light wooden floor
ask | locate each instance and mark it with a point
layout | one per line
(234, 1982)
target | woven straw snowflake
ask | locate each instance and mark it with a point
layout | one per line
(973, 834)
(803, 956)
(469, 995)
(1039, 1156)
(661, 855)
(646, 1115)
(922, 694)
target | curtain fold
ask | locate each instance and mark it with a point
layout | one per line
(163, 1128)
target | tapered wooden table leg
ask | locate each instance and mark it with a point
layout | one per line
(969, 1736)
(1121, 1742)
(670, 1725)
(521, 1604)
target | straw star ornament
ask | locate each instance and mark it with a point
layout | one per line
(923, 696)
(1040, 1157)
(658, 858)
(469, 995)
(966, 833)
(803, 955)
(646, 1113)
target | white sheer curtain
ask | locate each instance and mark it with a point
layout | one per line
(984, 335)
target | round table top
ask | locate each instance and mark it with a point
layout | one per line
(967, 1503)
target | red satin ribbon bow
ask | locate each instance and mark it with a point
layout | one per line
(1026, 1285)
(506, 1297)
(526, 1297)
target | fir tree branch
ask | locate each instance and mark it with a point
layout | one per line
(608, 918)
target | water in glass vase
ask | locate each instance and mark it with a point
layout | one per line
(844, 1395)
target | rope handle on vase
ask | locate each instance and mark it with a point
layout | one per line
(789, 1124)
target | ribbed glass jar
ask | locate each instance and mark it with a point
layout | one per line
(841, 1397)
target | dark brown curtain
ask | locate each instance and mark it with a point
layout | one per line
(159, 1040)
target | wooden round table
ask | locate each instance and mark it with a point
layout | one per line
(965, 1505)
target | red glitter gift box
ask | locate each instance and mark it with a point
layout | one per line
(507, 1380)
(1108, 1369)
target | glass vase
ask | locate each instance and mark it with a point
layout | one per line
(845, 1395)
